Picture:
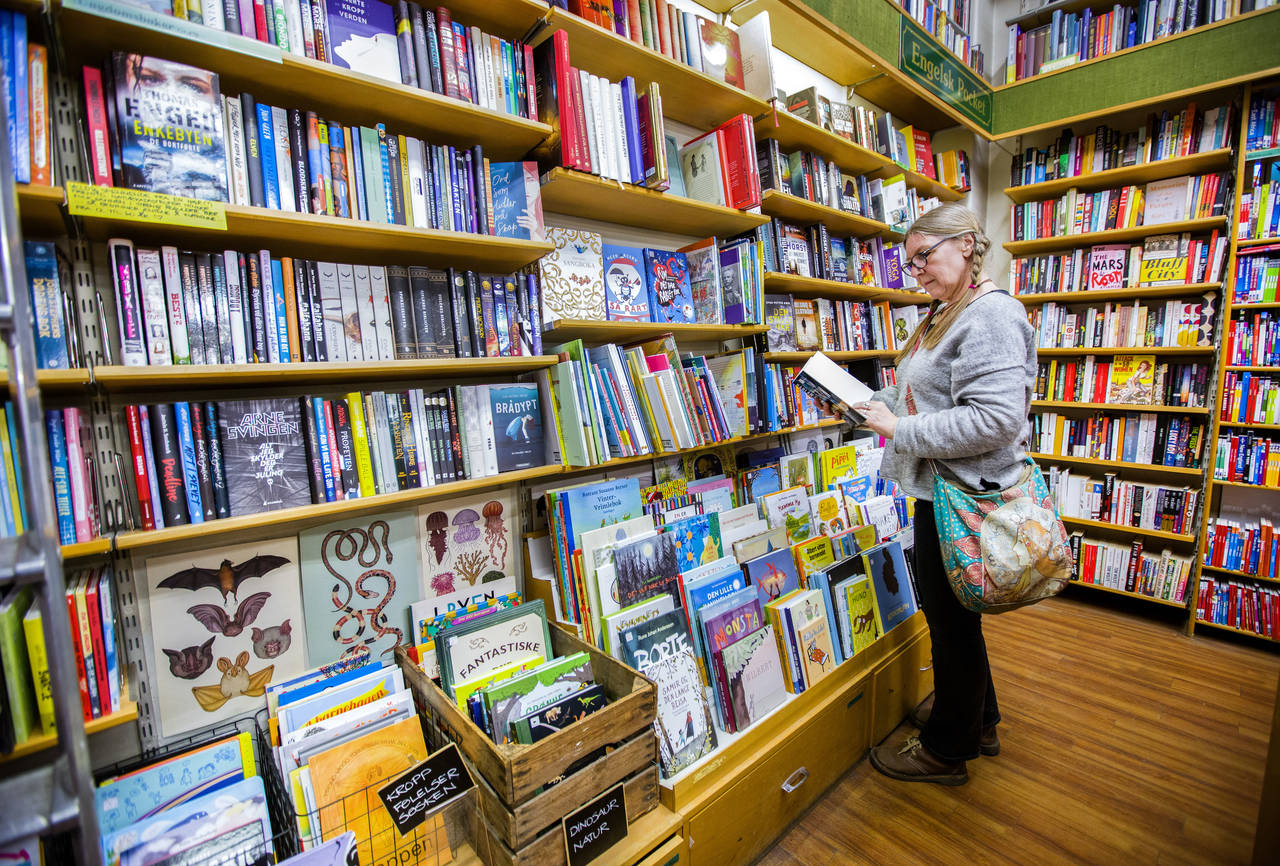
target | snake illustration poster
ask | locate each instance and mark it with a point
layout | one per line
(359, 577)
(223, 628)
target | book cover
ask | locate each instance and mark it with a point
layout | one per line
(46, 305)
(524, 693)
(683, 724)
(597, 504)
(517, 201)
(646, 567)
(557, 716)
(893, 596)
(669, 288)
(264, 454)
(721, 53)
(615, 624)
(21, 704)
(626, 293)
(753, 675)
(220, 630)
(788, 509)
(704, 280)
(815, 647)
(773, 574)
(362, 37)
(860, 607)
(827, 509)
(468, 550)
(572, 277)
(700, 167)
(1132, 379)
(475, 648)
(780, 317)
(169, 127)
(517, 425)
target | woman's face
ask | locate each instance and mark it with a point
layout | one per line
(946, 271)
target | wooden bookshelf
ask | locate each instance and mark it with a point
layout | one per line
(1127, 594)
(801, 357)
(1132, 293)
(584, 195)
(1230, 572)
(1160, 351)
(301, 517)
(1230, 628)
(40, 210)
(1148, 468)
(55, 381)
(630, 332)
(1257, 305)
(1104, 526)
(1256, 242)
(41, 741)
(1245, 425)
(1111, 236)
(1265, 153)
(1196, 163)
(1244, 485)
(118, 379)
(1118, 407)
(332, 238)
(813, 287)
(336, 93)
(86, 549)
(688, 96)
(1236, 368)
(800, 210)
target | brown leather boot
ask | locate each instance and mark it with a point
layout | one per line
(912, 762)
(988, 744)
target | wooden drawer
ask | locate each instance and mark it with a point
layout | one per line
(673, 852)
(900, 685)
(749, 816)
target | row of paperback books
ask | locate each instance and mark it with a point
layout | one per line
(1158, 202)
(1115, 325)
(1248, 398)
(204, 461)
(1247, 458)
(1246, 606)
(1130, 568)
(25, 688)
(1259, 215)
(1250, 547)
(13, 498)
(949, 22)
(73, 467)
(1123, 503)
(239, 150)
(25, 76)
(1264, 123)
(180, 307)
(1125, 379)
(1257, 276)
(805, 324)
(813, 251)
(1146, 438)
(1164, 136)
(1159, 260)
(953, 169)
(1253, 339)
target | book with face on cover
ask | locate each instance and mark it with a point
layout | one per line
(825, 380)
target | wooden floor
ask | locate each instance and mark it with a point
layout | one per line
(1123, 741)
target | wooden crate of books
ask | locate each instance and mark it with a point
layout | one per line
(516, 772)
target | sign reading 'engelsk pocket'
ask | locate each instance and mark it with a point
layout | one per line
(943, 75)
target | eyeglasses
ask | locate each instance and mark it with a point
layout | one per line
(920, 261)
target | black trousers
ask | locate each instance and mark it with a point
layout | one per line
(964, 699)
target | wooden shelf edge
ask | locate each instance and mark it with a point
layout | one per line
(1146, 171)
(1244, 575)
(1118, 464)
(84, 549)
(1230, 628)
(1244, 485)
(784, 205)
(1054, 352)
(1085, 523)
(39, 742)
(801, 357)
(1133, 292)
(1167, 602)
(1117, 407)
(816, 287)
(1248, 426)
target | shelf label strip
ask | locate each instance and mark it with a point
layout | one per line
(135, 205)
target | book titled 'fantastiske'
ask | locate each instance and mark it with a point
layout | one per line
(264, 454)
(169, 125)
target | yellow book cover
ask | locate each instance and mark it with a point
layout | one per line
(346, 780)
(464, 690)
(1132, 379)
(11, 462)
(836, 465)
(815, 650)
(778, 621)
(813, 555)
(376, 693)
(38, 659)
(298, 782)
(862, 618)
(360, 440)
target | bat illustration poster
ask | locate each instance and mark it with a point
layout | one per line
(222, 626)
(469, 549)
(359, 577)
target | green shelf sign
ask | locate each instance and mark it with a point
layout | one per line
(943, 75)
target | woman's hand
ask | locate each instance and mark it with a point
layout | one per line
(880, 418)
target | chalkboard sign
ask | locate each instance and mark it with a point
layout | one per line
(596, 827)
(427, 788)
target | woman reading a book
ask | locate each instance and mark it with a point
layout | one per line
(961, 407)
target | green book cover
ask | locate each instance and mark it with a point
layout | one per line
(13, 655)
(862, 620)
(524, 693)
(546, 721)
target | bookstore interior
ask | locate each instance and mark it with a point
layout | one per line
(511, 329)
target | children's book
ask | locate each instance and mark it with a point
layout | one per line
(670, 291)
(753, 676)
(788, 509)
(773, 574)
(893, 596)
(626, 294)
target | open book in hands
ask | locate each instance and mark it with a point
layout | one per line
(826, 381)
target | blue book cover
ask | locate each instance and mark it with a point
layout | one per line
(324, 677)
(57, 430)
(603, 503)
(706, 592)
(516, 195)
(895, 598)
(46, 306)
(187, 447)
(384, 160)
(338, 149)
(355, 175)
(107, 612)
(201, 818)
(10, 82)
(267, 147)
(457, 189)
(820, 581)
(282, 321)
(502, 324)
(670, 290)
(517, 426)
(731, 285)
(626, 296)
(631, 121)
(326, 465)
(760, 480)
(22, 101)
(697, 540)
(362, 34)
(774, 574)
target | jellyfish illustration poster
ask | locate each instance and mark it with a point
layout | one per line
(223, 624)
(469, 550)
(359, 578)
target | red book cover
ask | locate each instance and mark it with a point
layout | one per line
(335, 459)
(448, 64)
(94, 608)
(1069, 383)
(579, 115)
(141, 471)
(531, 84)
(38, 111)
(924, 153)
(85, 707)
(664, 28)
(737, 158)
(260, 20)
(96, 119)
(635, 31)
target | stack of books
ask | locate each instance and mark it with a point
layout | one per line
(1131, 568)
(1250, 546)
(26, 87)
(1123, 379)
(803, 324)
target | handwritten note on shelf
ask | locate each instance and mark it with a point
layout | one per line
(110, 202)
(427, 788)
(592, 829)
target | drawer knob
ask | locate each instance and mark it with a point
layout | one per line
(795, 780)
(927, 667)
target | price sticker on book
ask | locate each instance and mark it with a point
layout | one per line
(135, 205)
(427, 788)
(596, 827)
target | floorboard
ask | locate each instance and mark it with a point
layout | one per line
(1123, 740)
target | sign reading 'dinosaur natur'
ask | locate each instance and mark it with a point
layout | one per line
(430, 786)
(943, 74)
(596, 827)
(135, 205)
